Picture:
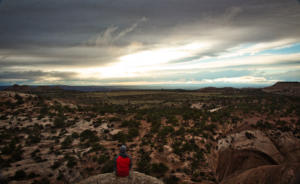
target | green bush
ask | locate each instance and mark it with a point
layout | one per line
(14, 151)
(133, 132)
(97, 147)
(180, 132)
(131, 124)
(67, 143)
(90, 135)
(59, 122)
(159, 169)
(97, 123)
(165, 131)
(33, 139)
(171, 180)
(56, 164)
(121, 137)
(20, 175)
(75, 135)
(42, 181)
(71, 161)
(102, 159)
(19, 99)
(143, 164)
(108, 167)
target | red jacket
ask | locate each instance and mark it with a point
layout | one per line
(122, 165)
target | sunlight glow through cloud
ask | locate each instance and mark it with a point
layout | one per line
(161, 56)
(236, 80)
(136, 64)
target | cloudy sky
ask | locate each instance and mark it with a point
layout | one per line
(187, 43)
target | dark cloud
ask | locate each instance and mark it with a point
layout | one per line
(39, 35)
(68, 23)
(35, 75)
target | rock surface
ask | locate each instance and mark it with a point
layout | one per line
(251, 140)
(252, 156)
(275, 174)
(110, 178)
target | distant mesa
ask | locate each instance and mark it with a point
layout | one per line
(284, 88)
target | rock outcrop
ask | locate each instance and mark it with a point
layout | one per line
(110, 178)
(252, 156)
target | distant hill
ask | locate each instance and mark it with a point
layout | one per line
(3, 87)
(284, 88)
(18, 88)
(29, 89)
(224, 90)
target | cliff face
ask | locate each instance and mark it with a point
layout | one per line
(110, 178)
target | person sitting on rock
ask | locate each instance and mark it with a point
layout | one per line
(122, 163)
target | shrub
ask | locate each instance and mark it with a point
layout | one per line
(20, 175)
(108, 167)
(159, 169)
(249, 135)
(171, 180)
(44, 111)
(56, 164)
(210, 127)
(121, 137)
(90, 135)
(59, 122)
(133, 132)
(32, 175)
(14, 151)
(97, 147)
(42, 181)
(131, 123)
(102, 159)
(75, 135)
(171, 119)
(67, 143)
(143, 164)
(71, 161)
(180, 132)
(19, 99)
(166, 131)
(97, 123)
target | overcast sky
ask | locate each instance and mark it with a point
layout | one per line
(149, 42)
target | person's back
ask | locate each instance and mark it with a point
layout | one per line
(122, 163)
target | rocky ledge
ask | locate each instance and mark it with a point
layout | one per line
(110, 178)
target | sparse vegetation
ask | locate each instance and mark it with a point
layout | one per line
(161, 129)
